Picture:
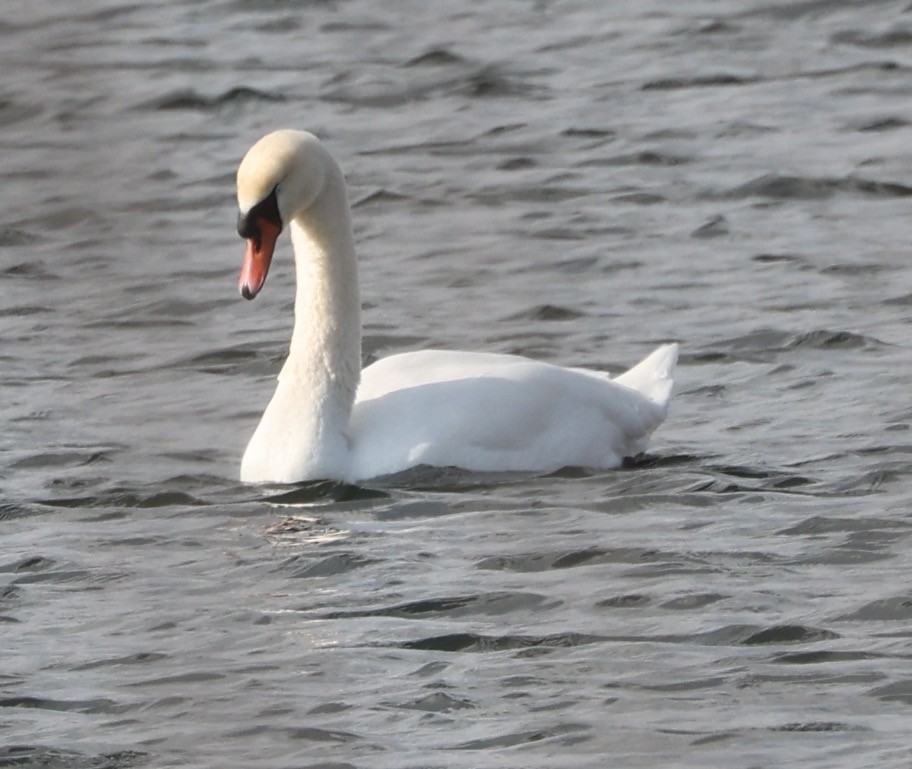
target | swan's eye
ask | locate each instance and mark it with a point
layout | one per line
(268, 209)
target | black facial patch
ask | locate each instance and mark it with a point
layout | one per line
(268, 209)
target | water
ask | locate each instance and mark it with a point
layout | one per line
(575, 181)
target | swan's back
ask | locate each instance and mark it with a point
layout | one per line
(490, 412)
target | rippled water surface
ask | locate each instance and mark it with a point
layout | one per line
(575, 181)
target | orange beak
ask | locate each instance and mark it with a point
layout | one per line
(257, 258)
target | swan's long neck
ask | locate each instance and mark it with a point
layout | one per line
(304, 431)
(326, 340)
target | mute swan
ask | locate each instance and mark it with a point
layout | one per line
(328, 419)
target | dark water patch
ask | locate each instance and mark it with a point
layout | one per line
(901, 301)
(894, 609)
(313, 734)
(852, 270)
(30, 565)
(705, 81)
(414, 509)
(818, 726)
(601, 134)
(494, 604)
(331, 707)
(547, 312)
(712, 738)
(526, 737)
(788, 634)
(23, 311)
(140, 658)
(380, 197)
(13, 237)
(740, 479)
(281, 25)
(484, 83)
(9, 594)
(190, 99)
(491, 82)
(761, 344)
(869, 482)
(503, 129)
(439, 702)
(74, 458)
(517, 164)
(102, 706)
(181, 680)
(44, 757)
(707, 391)
(901, 691)
(693, 602)
(560, 233)
(823, 657)
(857, 550)
(375, 343)
(128, 498)
(798, 9)
(436, 57)
(65, 217)
(107, 366)
(223, 360)
(498, 196)
(163, 310)
(325, 491)
(741, 128)
(901, 451)
(473, 642)
(576, 265)
(758, 473)
(543, 561)
(431, 148)
(35, 270)
(447, 479)
(642, 158)
(647, 461)
(822, 525)
(360, 25)
(628, 601)
(883, 124)
(11, 510)
(639, 198)
(709, 27)
(81, 579)
(781, 259)
(12, 112)
(753, 635)
(783, 187)
(712, 228)
(308, 567)
(891, 38)
(692, 685)
(330, 765)
(304, 733)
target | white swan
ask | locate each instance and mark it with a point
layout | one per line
(328, 419)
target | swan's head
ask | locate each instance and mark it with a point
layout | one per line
(279, 178)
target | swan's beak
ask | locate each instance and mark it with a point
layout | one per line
(257, 258)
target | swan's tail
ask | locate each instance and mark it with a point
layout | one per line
(654, 375)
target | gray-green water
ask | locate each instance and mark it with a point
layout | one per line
(576, 181)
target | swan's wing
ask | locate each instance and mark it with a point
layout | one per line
(494, 413)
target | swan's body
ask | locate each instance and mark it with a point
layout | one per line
(477, 411)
